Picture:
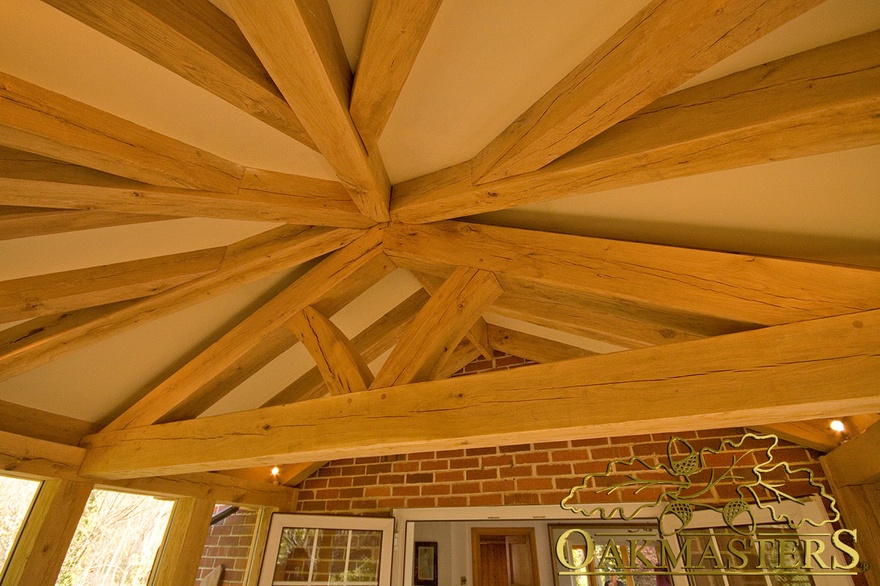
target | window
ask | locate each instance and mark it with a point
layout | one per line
(116, 540)
(16, 497)
(306, 550)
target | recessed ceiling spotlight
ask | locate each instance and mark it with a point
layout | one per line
(837, 425)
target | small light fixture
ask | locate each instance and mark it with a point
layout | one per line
(275, 470)
(838, 426)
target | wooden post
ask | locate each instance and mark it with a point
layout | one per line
(47, 533)
(178, 561)
(258, 545)
(852, 469)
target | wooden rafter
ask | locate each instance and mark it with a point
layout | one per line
(300, 47)
(343, 368)
(56, 293)
(197, 41)
(815, 102)
(478, 334)
(438, 327)
(37, 120)
(726, 286)
(24, 222)
(261, 196)
(36, 342)
(532, 347)
(270, 346)
(187, 384)
(592, 316)
(374, 341)
(394, 36)
(661, 47)
(754, 377)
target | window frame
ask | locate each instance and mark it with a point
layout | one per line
(282, 521)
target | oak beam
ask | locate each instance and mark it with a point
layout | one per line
(395, 34)
(300, 47)
(661, 47)
(737, 288)
(24, 222)
(271, 346)
(343, 368)
(197, 41)
(29, 456)
(38, 341)
(37, 120)
(263, 196)
(750, 378)
(627, 325)
(856, 461)
(478, 334)
(438, 327)
(43, 425)
(55, 293)
(42, 546)
(819, 101)
(188, 383)
(532, 347)
(374, 341)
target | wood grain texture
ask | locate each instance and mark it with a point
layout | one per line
(208, 485)
(282, 198)
(478, 334)
(197, 41)
(724, 286)
(25, 222)
(189, 382)
(749, 378)
(395, 33)
(36, 342)
(36, 120)
(343, 368)
(45, 538)
(438, 328)
(661, 47)
(32, 180)
(56, 293)
(856, 461)
(298, 44)
(819, 101)
(52, 427)
(592, 316)
(178, 560)
(374, 341)
(29, 456)
(532, 347)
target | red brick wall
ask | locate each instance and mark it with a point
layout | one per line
(229, 544)
(525, 474)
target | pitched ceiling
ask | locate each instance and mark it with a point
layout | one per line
(654, 139)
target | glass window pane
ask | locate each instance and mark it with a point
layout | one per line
(16, 497)
(116, 540)
(328, 556)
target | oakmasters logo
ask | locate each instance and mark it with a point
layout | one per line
(736, 480)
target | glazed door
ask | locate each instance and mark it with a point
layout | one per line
(308, 550)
